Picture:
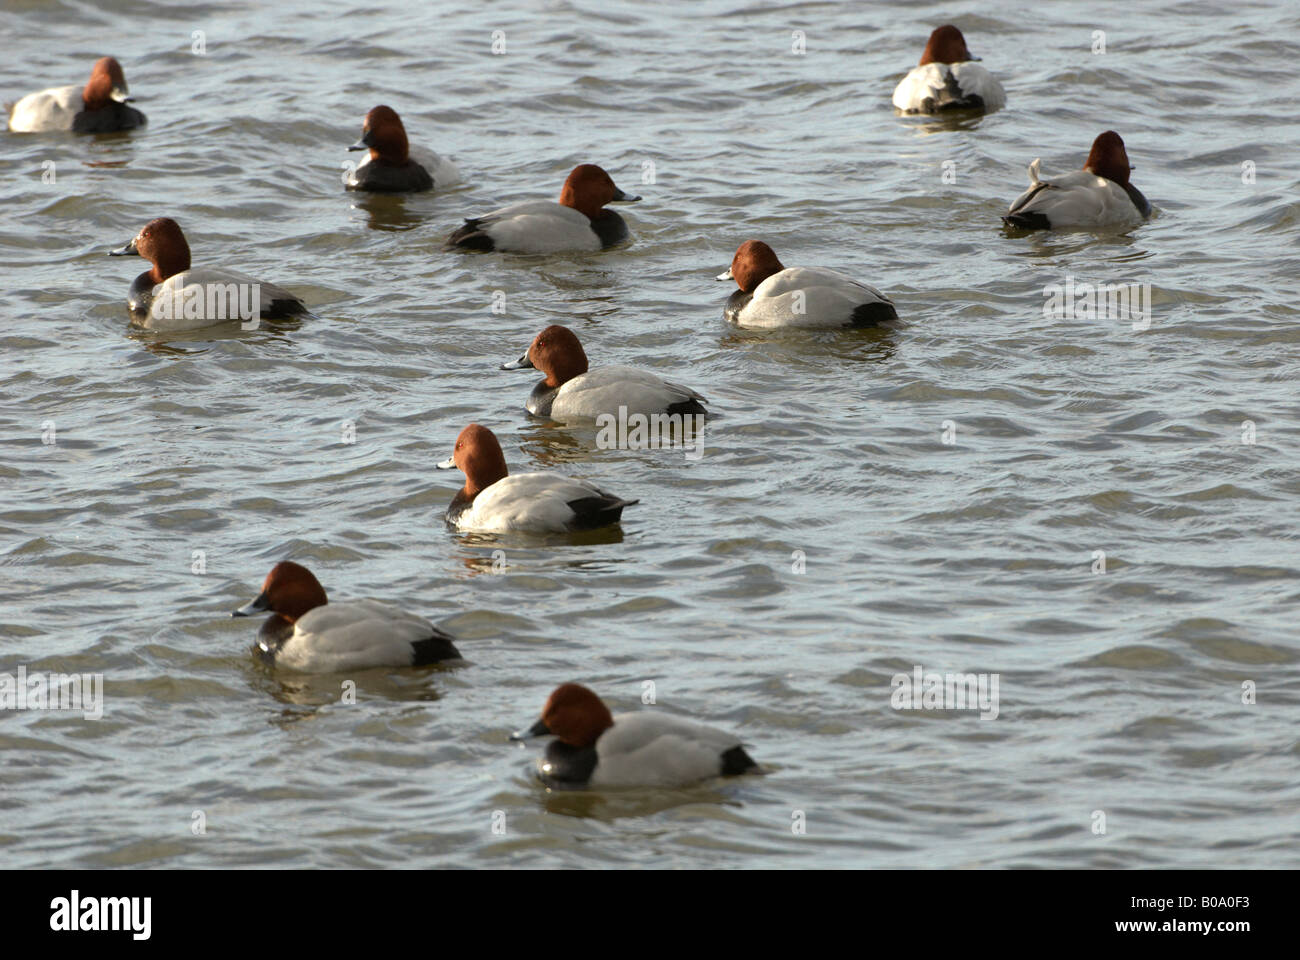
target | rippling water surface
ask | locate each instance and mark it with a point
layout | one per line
(1120, 692)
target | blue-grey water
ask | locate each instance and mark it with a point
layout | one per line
(1103, 517)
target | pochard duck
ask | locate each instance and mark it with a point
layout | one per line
(307, 633)
(392, 165)
(1097, 197)
(572, 392)
(493, 501)
(98, 107)
(947, 79)
(648, 748)
(173, 296)
(772, 295)
(579, 222)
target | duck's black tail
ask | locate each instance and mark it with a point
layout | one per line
(471, 237)
(433, 649)
(736, 761)
(872, 314)
(690, 407)
(599, 511)
(952, 97)
(1027, 221)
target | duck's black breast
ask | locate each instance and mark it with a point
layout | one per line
(737, 302)
(116, 116)
(610, 228)
(459, 504)
(568, 766)
(140, 296)
(384, 178)
(274, 632)
(542, 399)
